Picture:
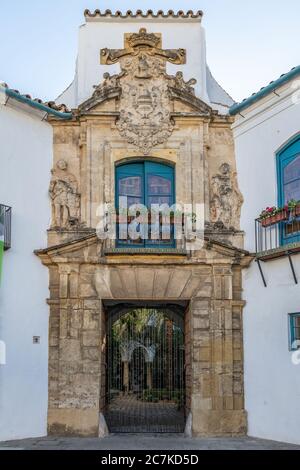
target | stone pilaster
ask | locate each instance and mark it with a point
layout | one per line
(217, 396)
(75, 359)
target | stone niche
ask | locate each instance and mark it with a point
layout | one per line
(82, 278)
(143, 113)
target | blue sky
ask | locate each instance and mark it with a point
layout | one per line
(249, 42)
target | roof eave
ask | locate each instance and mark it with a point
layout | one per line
(34, 104)
(238, 107)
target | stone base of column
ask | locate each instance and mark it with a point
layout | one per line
(219, 423)
(73, 422)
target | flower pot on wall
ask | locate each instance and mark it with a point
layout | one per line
(274, 219)
(269, 221)
(283, 215)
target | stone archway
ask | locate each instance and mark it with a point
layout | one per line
(145, 375)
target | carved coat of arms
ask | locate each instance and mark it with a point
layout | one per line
(145, 106)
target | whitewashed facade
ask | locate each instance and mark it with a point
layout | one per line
(263, 127)
(26, 157)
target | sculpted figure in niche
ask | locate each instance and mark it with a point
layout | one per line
(64, 195)
(226, 199)
(238, 200)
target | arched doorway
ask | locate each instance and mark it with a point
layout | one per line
(145, 371)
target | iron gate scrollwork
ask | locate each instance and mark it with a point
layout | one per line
(145, 373)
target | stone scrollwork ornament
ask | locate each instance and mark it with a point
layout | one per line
(65, 198)
(226, 199)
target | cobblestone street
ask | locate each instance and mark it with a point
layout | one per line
(145, 442)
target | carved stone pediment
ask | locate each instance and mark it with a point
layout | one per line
(190, 100)
(109, 88)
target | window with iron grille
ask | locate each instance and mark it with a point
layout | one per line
(294, 319)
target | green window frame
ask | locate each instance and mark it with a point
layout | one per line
(288, 183)
(145, 182)
(294, 331)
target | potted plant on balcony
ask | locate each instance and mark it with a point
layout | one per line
(273, 215)
(294, 208)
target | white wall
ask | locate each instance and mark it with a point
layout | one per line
(97, 34)
(272, 382)
(25, 164)
(267, 127)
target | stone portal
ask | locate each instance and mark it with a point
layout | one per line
(84, 282)
(144, 113)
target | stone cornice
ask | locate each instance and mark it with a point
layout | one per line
(58, 253)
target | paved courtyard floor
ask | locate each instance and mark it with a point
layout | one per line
(127, 414)
(145, 442)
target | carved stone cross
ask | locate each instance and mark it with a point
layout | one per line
(136, 43)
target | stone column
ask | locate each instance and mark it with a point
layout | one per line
(149, 375)
(126, 376)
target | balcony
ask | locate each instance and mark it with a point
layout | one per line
(5, 225)
(153, 233)
(156, 233)
(276, 237)
(278, 234)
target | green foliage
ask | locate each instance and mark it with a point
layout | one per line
(156, 395)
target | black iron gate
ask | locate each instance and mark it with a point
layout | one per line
(145, 372)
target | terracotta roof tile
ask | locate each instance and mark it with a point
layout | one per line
(140, 13)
